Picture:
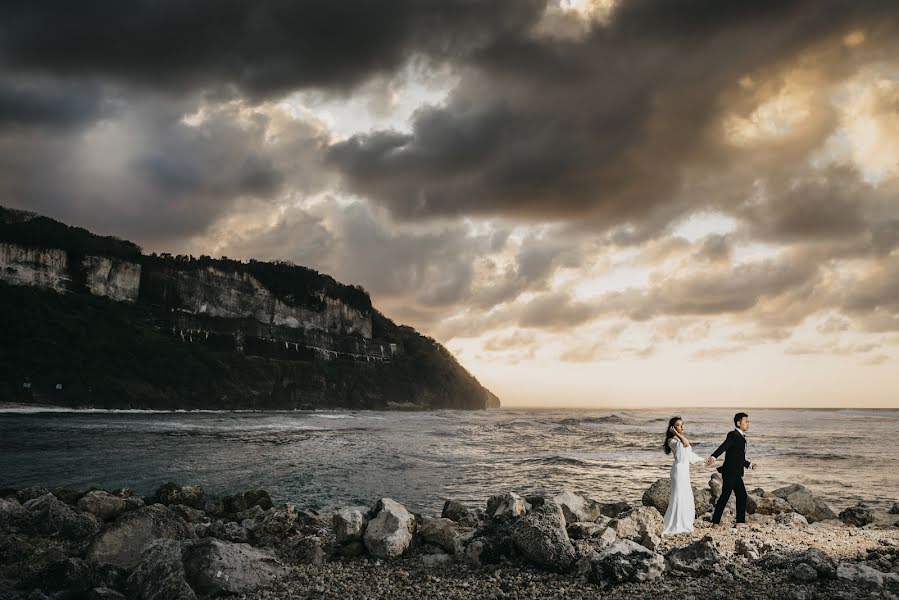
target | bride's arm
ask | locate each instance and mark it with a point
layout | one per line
(682, 439)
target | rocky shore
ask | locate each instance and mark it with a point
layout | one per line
(179, 543)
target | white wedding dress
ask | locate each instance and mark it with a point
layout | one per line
(681, 508)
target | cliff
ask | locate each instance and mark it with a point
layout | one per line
(87, 320)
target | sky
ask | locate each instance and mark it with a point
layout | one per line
(594, 203)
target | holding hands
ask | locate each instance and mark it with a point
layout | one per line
(710, 461)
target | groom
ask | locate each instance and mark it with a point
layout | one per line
(732, 470)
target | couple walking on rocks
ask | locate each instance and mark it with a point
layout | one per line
(681, 508)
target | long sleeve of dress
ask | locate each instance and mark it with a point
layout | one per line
(683, 455)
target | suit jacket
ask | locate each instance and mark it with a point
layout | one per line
(735, 459)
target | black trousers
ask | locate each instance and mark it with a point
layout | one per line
(731, 484)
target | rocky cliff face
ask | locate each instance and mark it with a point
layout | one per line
(265, 335)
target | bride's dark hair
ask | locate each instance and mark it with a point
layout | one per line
(668, 434)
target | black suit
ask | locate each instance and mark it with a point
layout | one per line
(732, 475)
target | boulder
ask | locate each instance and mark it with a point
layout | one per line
(50, 515)
(767, 505)
(791, 519)
(214, 507)
(191, 515)
(30, 493)
(215, 568)
(715, 484)
(73, 575)
(612, 510)
(389, 533)
(651, 541)
(541, 537)
(894, 510)
(858, 516)
(102, 505)
(865, 576)
(238, 503)
(805, 503)
(702, 498)
(440, 532)
(804, 572)
(746, 548)
(633, 525)
(626, 561)
(172, 493)
(67, 495)
(581, 531)
(13, 513)
(696, 557)
(121, 543)
(823, 564)
(457, 512)
(159, 574)
(277, 523)
(658, 495)
(576, 507)
(349, 524)
(505, 506)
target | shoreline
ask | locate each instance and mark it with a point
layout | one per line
(115, 544)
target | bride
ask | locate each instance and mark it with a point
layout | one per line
(681, 509)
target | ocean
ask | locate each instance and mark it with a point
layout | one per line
(328, 459)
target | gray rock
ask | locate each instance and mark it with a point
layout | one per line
(50, 515)
(715, 484)
(214, 507)
(232, 532)
(191, 515)
(858, 516)
(30, 493)
(505, 506)
(349, 524)
(133, 503)
(576, 507)
(121, 542)
(804, 572)
(613, 510)
(702, 499)
(658, 494)
(791, 519)
(805, 503)
(102, 505)
(277, 523)
(824, 565)
(895, 509)
(160, 573)
(457, 512)
(769, 505)
(431, 561)
(474, 552)
(633, 525)
(865, 576)
(582, 531)
(626, 561)
(651, 541)
(13, 513)
(389, 533)
(746, 548)
(189, 495)
(215, 568)
(541, 537)
(697, 557)
(440, 532)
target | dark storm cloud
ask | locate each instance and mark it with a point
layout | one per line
(52, 104)
(148, 175)
(262, 47)
(610, 127)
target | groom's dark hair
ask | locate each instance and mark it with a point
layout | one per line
(739, 417)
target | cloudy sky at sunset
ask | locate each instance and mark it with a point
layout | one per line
(589, 202)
